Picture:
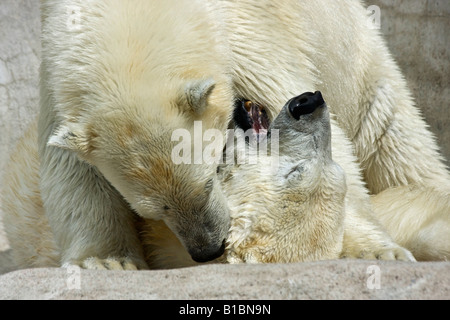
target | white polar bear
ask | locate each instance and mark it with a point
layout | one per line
(293, 46)
(285, 193)
(117, 77)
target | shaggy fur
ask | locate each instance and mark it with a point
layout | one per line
(110, 100)
(117, 78)
(286, 205)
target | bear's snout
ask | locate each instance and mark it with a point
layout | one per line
(305, 103)
(205, 254)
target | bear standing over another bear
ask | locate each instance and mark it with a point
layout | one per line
(118, 77)
(287, 204)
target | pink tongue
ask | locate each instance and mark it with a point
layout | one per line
(260, 121)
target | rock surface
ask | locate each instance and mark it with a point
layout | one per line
(342, 279)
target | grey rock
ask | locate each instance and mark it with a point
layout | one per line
(335, 279)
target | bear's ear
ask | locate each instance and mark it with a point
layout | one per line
(67, 138)
(197, 93)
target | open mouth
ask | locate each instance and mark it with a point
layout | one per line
(251, 115)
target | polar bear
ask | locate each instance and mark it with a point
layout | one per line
(295, 210)
(331, 46)
(287, 204)
(117, 77)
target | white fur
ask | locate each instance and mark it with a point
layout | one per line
(296, 46)
(125, 66)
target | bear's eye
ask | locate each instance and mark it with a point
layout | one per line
(166, 208)
(295, 173)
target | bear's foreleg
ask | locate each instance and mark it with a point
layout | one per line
(91, 222)
(364, 237)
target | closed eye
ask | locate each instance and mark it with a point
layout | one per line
(295, 172)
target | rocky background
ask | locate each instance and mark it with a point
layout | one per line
(417, 31)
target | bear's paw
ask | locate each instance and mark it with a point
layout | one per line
(383, 253)
(111, 263)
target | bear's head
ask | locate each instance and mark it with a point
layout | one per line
(304, 127)
(301, 213)
(130, 143)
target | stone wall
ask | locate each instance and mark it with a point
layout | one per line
(19, 65)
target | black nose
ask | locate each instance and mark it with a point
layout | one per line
(207, 254)
(305, 103)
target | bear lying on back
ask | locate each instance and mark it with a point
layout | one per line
(286, 205)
